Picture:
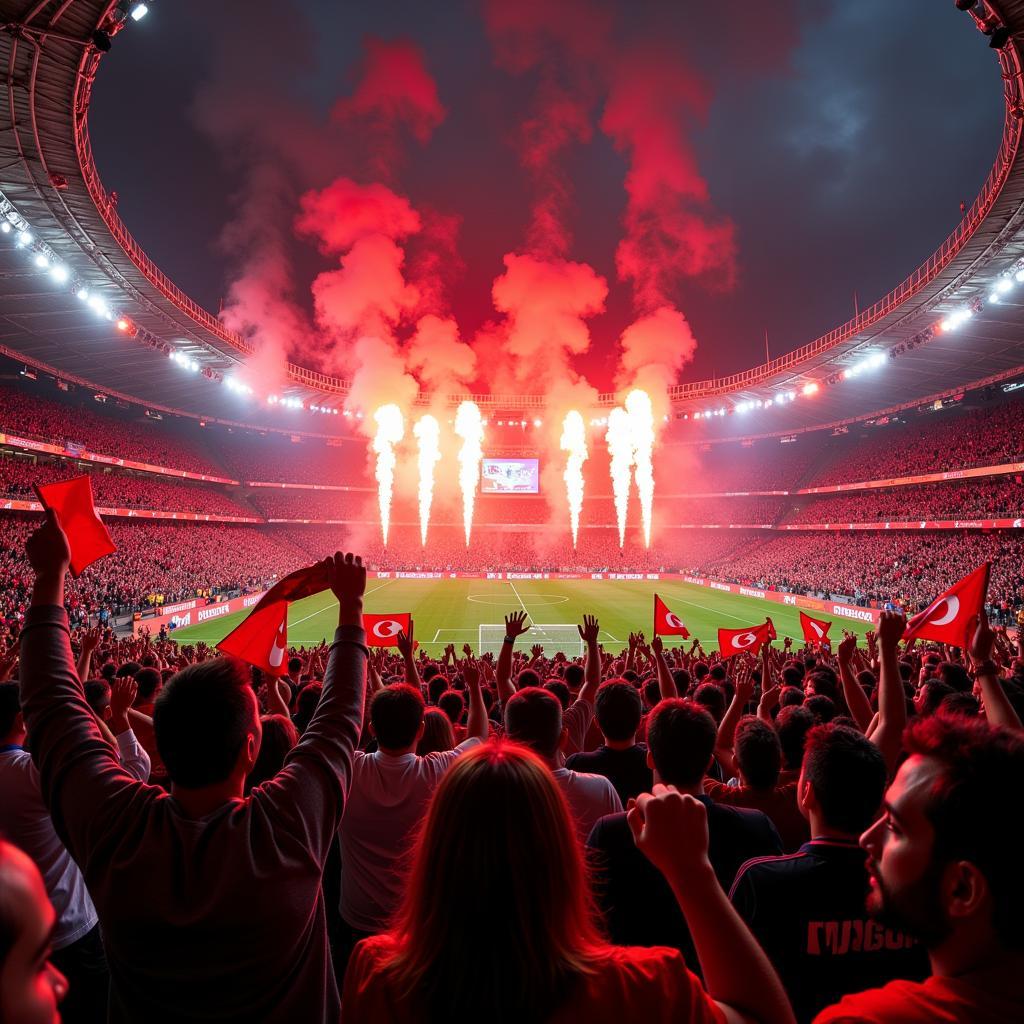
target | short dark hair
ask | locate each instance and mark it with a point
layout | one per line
(700, 670)
(792, 725)
(148, 681)
(129, 668)
(396, 714)
(201, 719)
(108, 670)
(711, 697)
(307, 700)
(97, 695)
(560, 690)
(574, 676)
(791, 696)
(847, 773)
(792, 676)
(935, 691)
(960, 704)
(527, 678)
(758, 752)
(279, 736)
(681, 736)
(955, 676)
(452, 703)
(534, 717)
(294, 665)
(652, 692)
(10, 705)
(967, 807)
(718, 673)
(825, 682)
(823, 708)
(681, 678)
(436, 685)
(619, 709)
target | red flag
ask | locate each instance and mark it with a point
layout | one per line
(948, 618)
(667, 623)
(261, 638)
(815, 630)
(383, 630)
(71, 502)
(751, 638)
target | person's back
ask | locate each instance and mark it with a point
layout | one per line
(636, 901)
(210, 904)
(808, 909)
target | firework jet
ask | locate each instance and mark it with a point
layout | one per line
(574, 442)
(427, 432)
(620, 448)
(390, 430)
(641, 432)
(469, 426)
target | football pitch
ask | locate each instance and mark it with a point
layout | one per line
(461, 611)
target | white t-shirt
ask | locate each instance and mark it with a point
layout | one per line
(386, 801)
(590, 797)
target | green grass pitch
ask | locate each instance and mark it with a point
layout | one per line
(448, 611)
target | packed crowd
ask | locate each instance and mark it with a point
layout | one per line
(310, 460)
(904, 566)
(128, 436)
(113, 489)
(662, 834)
(155, 563)
(995, 498)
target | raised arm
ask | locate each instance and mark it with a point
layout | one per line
(727, 730)
(90, 641)
(515, 626)
(998, 709)
(407, 649)
(134, 758)
(476, 721)
(671, 829)
(892, 702)
(589, 632)
(666, 682)
(856, 699)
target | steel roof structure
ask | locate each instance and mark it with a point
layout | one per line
(51, 53)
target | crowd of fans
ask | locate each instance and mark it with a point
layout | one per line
(309, 460)
(115, 489)
(82, 423)
(793, 835)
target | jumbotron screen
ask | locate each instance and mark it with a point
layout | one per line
(510, 476)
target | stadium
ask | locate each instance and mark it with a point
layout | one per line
(544, 313)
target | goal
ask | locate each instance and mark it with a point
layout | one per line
(552, 637)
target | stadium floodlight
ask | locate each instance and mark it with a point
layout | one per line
(790, 396)
(41, 261)
(1019, 276)
(24, 238)
(1003, 285)
(993, 297)
(5, 227)
(83, 294)
(59, 273)
(810, 389)
(138, 12)
(537, 423)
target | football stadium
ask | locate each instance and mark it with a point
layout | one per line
(559, 458)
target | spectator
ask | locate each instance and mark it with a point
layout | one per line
(537, 953)
(438, 735)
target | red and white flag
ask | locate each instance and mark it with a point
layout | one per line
(666, 622)
(383, 630)
(815, 630)
(71, 502)
(261, 638)
(947, 619)
(751, 638)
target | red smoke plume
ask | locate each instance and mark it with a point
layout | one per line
(652, 352)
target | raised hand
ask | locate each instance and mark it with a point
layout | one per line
(91, 639)
(471, 673)
(123, 692)
(846, 648)
(671, 830)
(589, 630)
(657, 645)
(346, 576)
(536, 651)
(982, 639)
(467, 650)
(405, 641)
(47, 549)
(891, 627)
(515, 624)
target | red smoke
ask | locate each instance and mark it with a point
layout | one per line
(652, 352)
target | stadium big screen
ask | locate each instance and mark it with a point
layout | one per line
(510, 476)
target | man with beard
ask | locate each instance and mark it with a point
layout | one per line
(944, 865)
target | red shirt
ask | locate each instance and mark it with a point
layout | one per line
(630, 983)
(934, 1001)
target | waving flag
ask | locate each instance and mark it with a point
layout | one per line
(815, 630)
(383, 630)
(71, 502)
(947, 619)
(261, 638)
(751, 638)
(667, 623)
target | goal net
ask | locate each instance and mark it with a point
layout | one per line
(552, 637)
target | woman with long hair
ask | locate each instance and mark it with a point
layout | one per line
(437, 733)
(498, 921)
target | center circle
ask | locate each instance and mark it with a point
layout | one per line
(542, 600)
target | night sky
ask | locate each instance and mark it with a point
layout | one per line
(828, 147)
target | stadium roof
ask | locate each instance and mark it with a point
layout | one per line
(49, 182)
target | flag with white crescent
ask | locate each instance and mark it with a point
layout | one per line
(666, 622)
(749, 638)
(815, 630)
(947, 620)
(383, 630)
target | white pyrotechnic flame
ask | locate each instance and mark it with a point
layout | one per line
(641, 429)
(469, 426)
(574, 442)
(620, 448)
(427, 432)
(390, 430)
